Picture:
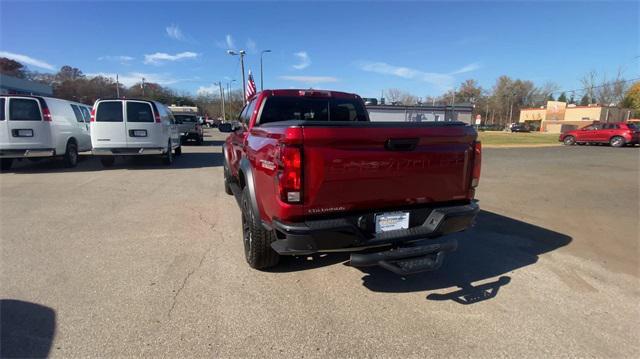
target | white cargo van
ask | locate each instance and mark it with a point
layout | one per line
(132, 127)
(33, 126)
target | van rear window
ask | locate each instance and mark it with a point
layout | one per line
(24, 110)
(109, 111)
(139, 112)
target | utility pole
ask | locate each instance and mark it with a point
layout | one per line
(142, 85)
(261, 78)
(241, 53)
(486, 113)
(224, 117)
(453, 104)
(510, 111)
(117, 87)
(229, 89)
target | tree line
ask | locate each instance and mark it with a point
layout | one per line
(502, 102)
(72, 84)
(497, 105)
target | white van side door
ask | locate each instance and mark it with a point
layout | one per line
(84, 139)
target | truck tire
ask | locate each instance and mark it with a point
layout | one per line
(199, 141)
(227, 184)
(107, 161)
(178, 151)
(257, 240)
(5, 163)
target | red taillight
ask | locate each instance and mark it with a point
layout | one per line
(314, 93)
(158, 119)
(290, 177)
(93, 115)
(477, 164)
(46, 115)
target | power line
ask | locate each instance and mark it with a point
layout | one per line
(594, 87)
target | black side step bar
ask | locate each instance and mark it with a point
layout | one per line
(407, 260)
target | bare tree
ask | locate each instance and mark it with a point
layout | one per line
(589, 84)
(408, 99)
(393, 95)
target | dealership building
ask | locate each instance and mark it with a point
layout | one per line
(15, 86)
(557, 117)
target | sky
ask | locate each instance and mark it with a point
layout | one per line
(425, 48)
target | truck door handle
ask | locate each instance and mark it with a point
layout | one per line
(401, 144)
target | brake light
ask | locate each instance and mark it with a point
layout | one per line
(158, 119)
(477, 163)
(46, 115)
(93, 115)
(314, 93)
(290, 177)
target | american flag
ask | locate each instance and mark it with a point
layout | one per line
(251, 86)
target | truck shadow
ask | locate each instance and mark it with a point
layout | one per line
(27, 329)
(495, 246)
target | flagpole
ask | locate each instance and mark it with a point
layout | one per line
(244, 82)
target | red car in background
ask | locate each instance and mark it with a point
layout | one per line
(615, 134)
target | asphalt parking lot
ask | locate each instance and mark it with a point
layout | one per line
(147, 260)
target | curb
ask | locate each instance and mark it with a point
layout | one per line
(523, 145)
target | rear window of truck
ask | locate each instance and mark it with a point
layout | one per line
(24, 110)
(311, 109)
(185, 118)
(109, 111)
(139, 112)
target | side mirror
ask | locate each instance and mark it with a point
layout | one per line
(226, 127)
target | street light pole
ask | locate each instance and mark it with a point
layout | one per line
(261, 78)
(244, 88)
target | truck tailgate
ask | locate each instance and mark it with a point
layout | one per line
(383, 166)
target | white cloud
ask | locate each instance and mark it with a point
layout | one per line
(132, 78)
(442, 80)
(310, 79)
(229, 41)
(305, 61)
(124, 60)
(252, 47)
(26, 60)
(208, 90)
(159, 57)
(468, 68)
(227, 44)
(174, 32)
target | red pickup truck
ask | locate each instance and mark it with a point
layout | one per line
(312, 174)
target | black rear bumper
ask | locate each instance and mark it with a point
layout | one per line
(357, 232)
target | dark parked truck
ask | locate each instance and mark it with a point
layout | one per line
(312, 174)
(188, 123)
